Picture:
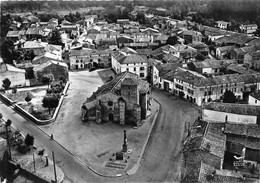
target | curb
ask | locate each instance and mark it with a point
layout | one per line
(136, 166)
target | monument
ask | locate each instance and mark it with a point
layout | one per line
(125, 142)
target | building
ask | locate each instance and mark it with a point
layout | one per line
(124, 100)
(222, 24)
(15, 75)
(46, 56)
(191, 36)
(254, 99)
(210, 66)
(236, 113)
(252, 59)
(249, 28)
(224, 52)
(81, 59)
(37, 47)
(57, 69)
(133, 63)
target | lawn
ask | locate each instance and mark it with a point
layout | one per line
(35, 105)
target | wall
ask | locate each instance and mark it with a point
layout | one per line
(210, 115)
(137, 67)
(16, 78)
(253, 101)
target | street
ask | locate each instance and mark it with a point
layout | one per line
(161, 159)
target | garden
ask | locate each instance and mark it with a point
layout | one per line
(40, 101)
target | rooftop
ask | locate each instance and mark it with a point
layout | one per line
(242, 109)
(214, 63)
(48, 63)
(111, 86)
(248, 130)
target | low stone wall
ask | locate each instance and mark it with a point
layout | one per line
(6, 99)
(44, 122)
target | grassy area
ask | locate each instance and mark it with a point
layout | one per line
(35, 104)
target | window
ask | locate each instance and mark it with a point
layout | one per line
(127, 69)
(134, 63)
(256, 101)
(141, 75)
(141, 68)
(134, 69)
(77, 61)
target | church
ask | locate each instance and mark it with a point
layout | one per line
(124, 100)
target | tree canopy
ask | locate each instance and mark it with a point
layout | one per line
(229, 97)
(6, 83)
(55, 38)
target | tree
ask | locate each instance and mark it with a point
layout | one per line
(172, 40)
(8, 123)
(50, 101)
(29, 140)
(6, 83)
(47, 79)
(28, 98)
(229, 97)
(55, 38)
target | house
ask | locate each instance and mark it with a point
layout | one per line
(243, 141)
(89, 20)
(34, 33)
(123, 21)
(37, 47)
(222, 24)
(204, 147)
(191, 36)
(186, 52)
(123, 99)
(161, 51)
(224, 52)
(124, 39)
(94, 30)
(210, 66)
(238, 69)
(133, 63)
(68, 27)
(239, 53)
(249, 28)
(81, 59)
(236, 39)
(235, 113)
(254, 99)
(44, 57)
(15, 35)
(56, 68)
(252, 59)
(15, 75)
(201, 48)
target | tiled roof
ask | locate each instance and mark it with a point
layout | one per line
(242, 109)
(111, 86)
(214, 63)
(133, 58)
(47, 55)
(170, 58)
(234, 39)
(256, 95)
(34, 44)
(255, 41)
(248, 130)
(15, 33)
(249, 142)
(255, 55)
(8, 67)
(48, 63)
(128, 50)
(240, 69)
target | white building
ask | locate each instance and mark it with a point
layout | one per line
(254, 99)
(222, 24)
(134, 63)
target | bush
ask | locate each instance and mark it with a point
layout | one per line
(14, 90)
(23, 148)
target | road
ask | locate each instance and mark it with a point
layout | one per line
(161, 159)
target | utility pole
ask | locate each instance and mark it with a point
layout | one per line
(55, 175)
